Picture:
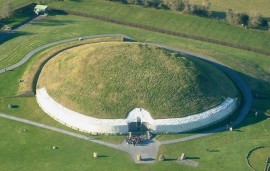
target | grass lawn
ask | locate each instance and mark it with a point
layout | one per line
(239, 6)
(28, 108)
(32, 150)
(259, 157)
(231, 147)
(106, 80)
(228, 149)
(15, 3)
(35, 145)
(210, 28)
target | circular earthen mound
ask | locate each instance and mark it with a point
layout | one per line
(107, 80)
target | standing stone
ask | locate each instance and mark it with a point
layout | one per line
(183, 157)
(148, 135)
(231, 129)
(95, 155)
(161, 158)
(139, 157)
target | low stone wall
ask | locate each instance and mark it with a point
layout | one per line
(93, 125)
(76, 120)
(196, 121)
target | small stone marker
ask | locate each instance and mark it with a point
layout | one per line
(161, 158)
(139, 157)
(148, 135)
(95, 155)
(231, 129)
(9, 105)
(54, 147)
(80, 39)
(183, 157)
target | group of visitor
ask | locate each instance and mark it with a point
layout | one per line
(135, 139)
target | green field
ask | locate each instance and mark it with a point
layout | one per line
(32, 150)
(259, 157)
(246, 6)
(15, 3)
(166, 19)
(226, 150)
(229, 150)
(106, 80)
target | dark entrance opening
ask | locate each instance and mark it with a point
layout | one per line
(138, 126)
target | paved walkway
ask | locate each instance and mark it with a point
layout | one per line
(149, 150)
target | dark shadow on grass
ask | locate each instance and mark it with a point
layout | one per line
(211, 14)
(147, 159)
(170, 159)
(6, 36)
(54, 12)
(102, 156)
(14, 106)
(52, 23)
(217, 15)
(192, 158)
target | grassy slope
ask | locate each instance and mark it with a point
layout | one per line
(216, 29)
(239, 5)
(106, 81)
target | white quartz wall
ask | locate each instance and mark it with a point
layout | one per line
(89, 124)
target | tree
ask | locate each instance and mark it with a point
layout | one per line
(257, 21)
(244, 18)
(174, 5)
(187, 7)
(6, 10)
(229, 16)
(199, 10)
(206, 4)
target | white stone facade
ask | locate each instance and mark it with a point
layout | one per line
(93, 125)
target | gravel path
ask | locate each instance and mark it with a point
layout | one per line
(150, 149)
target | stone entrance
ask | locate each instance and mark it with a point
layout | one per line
(138, 126)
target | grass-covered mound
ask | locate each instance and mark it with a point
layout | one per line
(107, 80)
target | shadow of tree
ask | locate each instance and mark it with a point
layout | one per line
(217, 14)
(4, 37)
(51, 22)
